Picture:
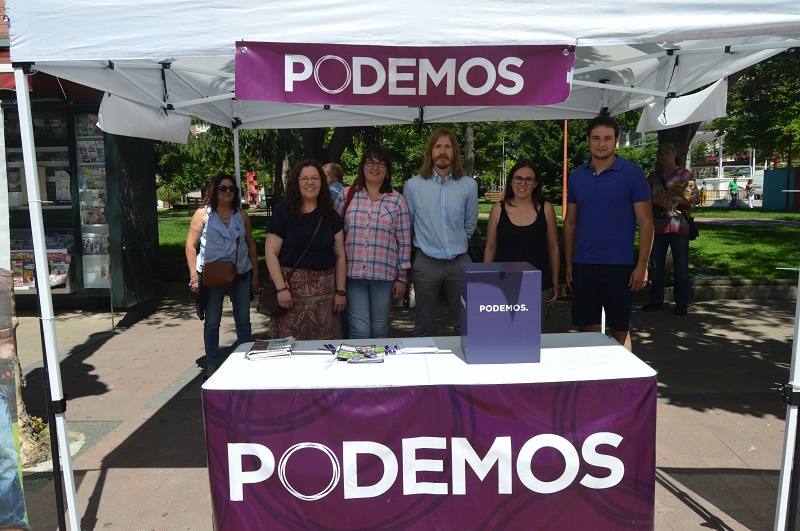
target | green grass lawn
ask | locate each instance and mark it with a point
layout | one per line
(746, 252)
(172, 229)
(748, 213)
(743, 252)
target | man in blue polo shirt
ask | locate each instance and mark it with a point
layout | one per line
(606, 198)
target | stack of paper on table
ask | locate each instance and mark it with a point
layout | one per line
(264, 349)
(417, 345)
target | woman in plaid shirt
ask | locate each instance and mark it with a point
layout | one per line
(377, 244)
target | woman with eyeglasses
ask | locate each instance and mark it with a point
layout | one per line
(377, 229)
(522, 228)
(305, 243)
(220, 231)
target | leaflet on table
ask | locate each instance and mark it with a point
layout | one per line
(264, 349)
(23, 267)
(417, 345)
(361, 353)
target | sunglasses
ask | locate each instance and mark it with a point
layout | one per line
(223, 188)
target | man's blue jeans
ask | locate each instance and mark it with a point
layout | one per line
(12, 502)
(239, 293)
(368, 303)
(679, 243)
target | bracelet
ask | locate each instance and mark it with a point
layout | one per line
(282, 289)
(341, 292)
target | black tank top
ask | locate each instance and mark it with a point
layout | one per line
(526, 243)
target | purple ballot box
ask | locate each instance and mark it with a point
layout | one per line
(501, 312)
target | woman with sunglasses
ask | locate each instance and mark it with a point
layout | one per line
(220, 231)
(522, 228)
(305, 243)
(377, 243)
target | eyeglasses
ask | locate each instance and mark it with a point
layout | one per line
(519, 179)
(312, 179)
(223, 188)
(375, 164)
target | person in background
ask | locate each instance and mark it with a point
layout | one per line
(315, 294)
(222, 231)
(444, 213)
(733, 188)
(334, 176)
(750, 192)
(377, 243)
(671, 206)
(523, 228)
(606, 198)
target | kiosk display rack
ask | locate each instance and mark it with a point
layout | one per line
(98, 206)
(92, 201)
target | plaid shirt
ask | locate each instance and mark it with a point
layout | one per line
(377, 236)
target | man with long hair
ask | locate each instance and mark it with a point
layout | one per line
(606, 199)
(443, 204)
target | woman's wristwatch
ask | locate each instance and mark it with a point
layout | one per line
(341, 292)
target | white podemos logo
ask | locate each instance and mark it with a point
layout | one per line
(502, 308)
(406, 76)
(499, 456)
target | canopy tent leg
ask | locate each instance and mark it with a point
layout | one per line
(788, 483)
(45, 296)
(236, 163)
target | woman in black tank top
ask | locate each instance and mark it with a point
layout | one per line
(522, 228)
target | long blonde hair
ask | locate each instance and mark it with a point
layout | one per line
(456, 168)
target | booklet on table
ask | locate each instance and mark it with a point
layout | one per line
(264, 349)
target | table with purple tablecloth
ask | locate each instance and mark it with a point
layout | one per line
(427, 441)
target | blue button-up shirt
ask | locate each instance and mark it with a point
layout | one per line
(444, 214)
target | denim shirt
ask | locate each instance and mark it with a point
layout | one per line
(224, 242)
(444, 214)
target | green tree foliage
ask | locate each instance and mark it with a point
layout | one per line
(644, 155)
(764, 107)
(188, 167)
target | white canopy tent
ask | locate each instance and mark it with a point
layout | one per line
(160, 62)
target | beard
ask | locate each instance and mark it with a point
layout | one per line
(443, 162)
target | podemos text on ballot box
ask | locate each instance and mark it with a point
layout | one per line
(501, 318)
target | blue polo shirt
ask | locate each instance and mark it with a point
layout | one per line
(606, 219)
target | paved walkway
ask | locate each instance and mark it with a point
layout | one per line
(135, 395)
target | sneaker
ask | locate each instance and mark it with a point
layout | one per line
(681, 309)
(652, 307)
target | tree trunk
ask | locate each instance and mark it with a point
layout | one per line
(681, 137)
(278, 171)
(469, 150)
(33, 447)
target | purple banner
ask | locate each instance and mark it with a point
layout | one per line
(344, 74)
(577, 455)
